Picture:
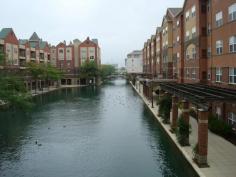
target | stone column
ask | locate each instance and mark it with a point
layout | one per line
(174, 113)
(202, 137)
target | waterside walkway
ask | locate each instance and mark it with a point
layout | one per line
(221, 153)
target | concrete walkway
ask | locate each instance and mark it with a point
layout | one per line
(221, 153)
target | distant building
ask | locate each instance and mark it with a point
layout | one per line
(134, 62)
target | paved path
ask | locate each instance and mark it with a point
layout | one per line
(221, 153)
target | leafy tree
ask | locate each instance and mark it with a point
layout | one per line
(107, 70)
(89, 70)
(37, 71)
(52, 73)
(13, 92)
(1, 58)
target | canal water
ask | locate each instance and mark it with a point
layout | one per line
(88, 132)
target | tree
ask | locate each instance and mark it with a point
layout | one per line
(107, 70)
(52, 73)
(1, 58)
(89, 70)
(13, 92)
(37, 71)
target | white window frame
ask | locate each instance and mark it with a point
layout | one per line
(232, 12)
(232, 75)
(194, 53)
(194, 11)
(219, 19)
(219, 74)
(194, 73)
(232, 119)
(187, 16)
(219, 47)
(232, 44)
(193, 32)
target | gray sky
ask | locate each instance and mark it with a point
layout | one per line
(120, 25)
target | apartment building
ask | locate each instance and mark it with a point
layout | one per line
(222, 43)
(89, 50)
(134, 62)
(167, 42)
(196, 44)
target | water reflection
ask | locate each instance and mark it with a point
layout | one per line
(85, 132)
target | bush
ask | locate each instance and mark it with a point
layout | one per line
(182, 132)
(164, 108)
(219, 126)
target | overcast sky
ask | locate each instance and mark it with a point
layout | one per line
(120, 25)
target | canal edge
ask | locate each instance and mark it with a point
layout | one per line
(172, 137)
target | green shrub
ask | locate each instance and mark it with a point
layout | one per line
(165, 104)
(219, 126)
(182, 132)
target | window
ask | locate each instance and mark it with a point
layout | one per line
(232, 75)
(193, 11)
(209, 29)
(187, 55)
(177, 23)
(187, 16)
(178, 55)
(91, 57)
(232, 44)
(177, 38)
(209, 52)
(193, 73)
(187, 35)
(232, 12)
(218, 74)
(194, 53)
(61, 51)
(232, 119)
(193, 32)
(219, 47)
(219, 19)
(187, 71)
(209, 75)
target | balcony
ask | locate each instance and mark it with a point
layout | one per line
(33, 55)
(22, 54)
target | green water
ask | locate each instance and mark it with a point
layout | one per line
(88, 132)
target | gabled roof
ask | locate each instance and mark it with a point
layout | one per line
(4, 32)
(88, 41)
(34, 37)
(175, 11)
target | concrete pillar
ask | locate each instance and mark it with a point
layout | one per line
(174, 112)
(202, 137)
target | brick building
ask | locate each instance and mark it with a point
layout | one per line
(196, 44)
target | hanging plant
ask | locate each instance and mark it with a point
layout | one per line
(164, 108)
(182, 132)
